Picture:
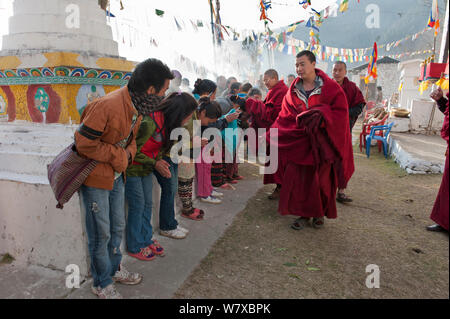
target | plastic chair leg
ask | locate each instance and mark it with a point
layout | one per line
(368, 143)
(360, 142)
(385, 149)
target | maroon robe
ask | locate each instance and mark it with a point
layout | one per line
(265, 113)
(308, 152)
(440, 211)
(354, 98)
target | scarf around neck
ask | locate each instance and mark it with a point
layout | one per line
(145, 103)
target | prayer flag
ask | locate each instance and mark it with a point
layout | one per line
(344, 6)
(372, 68)
(433, 20)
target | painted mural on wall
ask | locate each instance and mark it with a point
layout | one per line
(2, 107)
(56, 94)
(7, 96)
(44, 104)
(88, 94)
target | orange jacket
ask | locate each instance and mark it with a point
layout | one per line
(104, 123)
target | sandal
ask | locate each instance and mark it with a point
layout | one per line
(231, 181)
(238, 177)
(318, 222)
(194, 214)
(227, 186)
(300, 223)
(156, 248)
(342, 198)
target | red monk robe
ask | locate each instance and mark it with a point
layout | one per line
(441, 210)
(356, 102)
(265, 113)
(306, 163)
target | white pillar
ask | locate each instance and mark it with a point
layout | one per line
(51, 26)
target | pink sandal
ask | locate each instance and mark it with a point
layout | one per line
(195, 214)
(156, 249)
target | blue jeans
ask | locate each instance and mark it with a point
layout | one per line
(105, 224)
(138, 192)
(169, 188)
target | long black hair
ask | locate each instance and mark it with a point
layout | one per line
(212, 108)
(175, 108)
(204, 87)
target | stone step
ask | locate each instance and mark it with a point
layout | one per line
(16, 147)
(28, 163)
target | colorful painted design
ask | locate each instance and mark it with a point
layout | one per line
(8, 96)
(78, 72)
(36, 72)
(23, 73)
(92, 74)
(10, 74)
(47, 72)
(62, 71)
(105, 75)
(64, 75)
(3, 106)
(88, 94)
(41, 100)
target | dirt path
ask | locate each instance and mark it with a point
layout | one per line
(260, 256)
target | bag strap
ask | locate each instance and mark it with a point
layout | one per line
(124, 143)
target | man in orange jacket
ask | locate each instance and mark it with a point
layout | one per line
(107, 135)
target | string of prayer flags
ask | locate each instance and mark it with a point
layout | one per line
(159, 13)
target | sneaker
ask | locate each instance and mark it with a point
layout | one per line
(174, 233)
(109, 292)
(216, 194)
(125, 277)
(183, 229)
(146, 254)
(210, 200)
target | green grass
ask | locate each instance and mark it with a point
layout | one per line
(7, 259)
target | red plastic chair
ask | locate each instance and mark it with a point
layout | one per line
(367, 127)
(368, 109)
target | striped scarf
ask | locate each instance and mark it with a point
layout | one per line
(145, 103)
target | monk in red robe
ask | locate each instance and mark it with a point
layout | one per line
(265, 113)
(356, 103)
(312, 138)
(440, 210)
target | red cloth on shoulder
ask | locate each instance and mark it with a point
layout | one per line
(306, 162)
(265, 113)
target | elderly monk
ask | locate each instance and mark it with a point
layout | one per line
(356, 103)
(313, 139)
